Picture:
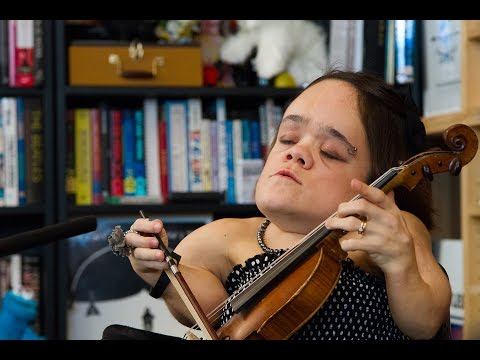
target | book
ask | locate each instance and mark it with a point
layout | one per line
(70, 187)
(163, 150)
(177, 134)
(83, 157)
(221, 116)
(374, 50)
(248, 171)
(21, 163)
(152, 152)
(38, 53)
(9, 114)
(4, 52)
(195, 156)
(139, 154)
(128, 151)
(206, 159)
(104, 112)
(230, 157)
(24, 54)
(2, 159)
(405, 34)
(97, 194)
(34, 141)
(116, 153)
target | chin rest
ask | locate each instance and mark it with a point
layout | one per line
(122, 332)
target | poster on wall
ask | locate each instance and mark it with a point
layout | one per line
(104, 289)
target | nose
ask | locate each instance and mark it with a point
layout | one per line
(300, 154)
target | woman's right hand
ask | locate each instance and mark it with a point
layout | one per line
(147, 260)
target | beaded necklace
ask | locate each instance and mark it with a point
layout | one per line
(260, 236)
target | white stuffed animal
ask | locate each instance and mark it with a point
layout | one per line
(297, 47)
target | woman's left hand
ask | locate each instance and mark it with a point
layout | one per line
(385, 235)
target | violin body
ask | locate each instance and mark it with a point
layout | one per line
(293, 301)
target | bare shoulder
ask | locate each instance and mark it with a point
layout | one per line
(219, 244)
(417, 228)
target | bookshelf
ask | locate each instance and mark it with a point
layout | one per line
(469, 182)
(68, 96)
(18, 219)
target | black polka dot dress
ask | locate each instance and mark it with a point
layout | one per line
(357, 308)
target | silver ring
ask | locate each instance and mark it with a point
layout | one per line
(116, 239)
(363, 226)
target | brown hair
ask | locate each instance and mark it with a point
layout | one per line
(394, 131)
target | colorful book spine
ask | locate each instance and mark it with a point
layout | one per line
(152, 152)
(22, 181)
(214, 154)
(70, 187)
(195, 155)
(104, 112)
(116, 163)
(255, 142)
(96, 157)
(230, 157)
(38, 53)
(35, 150)
(2, 159)
(162, 149)
(139, 158)
(246, 142)
(24, 56)
(221, 114)
(9, 113)
(83, 157)
(177, 134)
(3, 52)
(128, 142)
(206, 159)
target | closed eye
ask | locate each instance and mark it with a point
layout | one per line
(331, 156)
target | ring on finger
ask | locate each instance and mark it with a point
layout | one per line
(363, 226)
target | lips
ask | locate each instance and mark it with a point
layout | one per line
(288, 173)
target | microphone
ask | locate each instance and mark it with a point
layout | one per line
(16, 243)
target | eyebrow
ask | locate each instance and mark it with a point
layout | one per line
(332, 132)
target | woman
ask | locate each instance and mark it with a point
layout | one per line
(338, 135)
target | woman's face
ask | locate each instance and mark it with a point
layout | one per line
(320, 148)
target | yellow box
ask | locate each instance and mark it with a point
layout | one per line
(134, 64)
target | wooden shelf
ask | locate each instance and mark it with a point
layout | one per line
(181, 91)
(435, 125)
(473, 29)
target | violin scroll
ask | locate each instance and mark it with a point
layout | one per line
(457, 137)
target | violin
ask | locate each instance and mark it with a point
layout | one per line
(281, 299)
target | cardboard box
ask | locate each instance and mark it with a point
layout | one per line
(123, 64)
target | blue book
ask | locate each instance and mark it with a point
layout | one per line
(22, 181)
(255, 140)
(139, 161)
(230, 193)
(128, 142)
(246, 146)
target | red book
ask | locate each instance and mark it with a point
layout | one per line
(24, 54)
(116, 169)
(162, 148)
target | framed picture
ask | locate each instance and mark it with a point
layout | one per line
(104, 289)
